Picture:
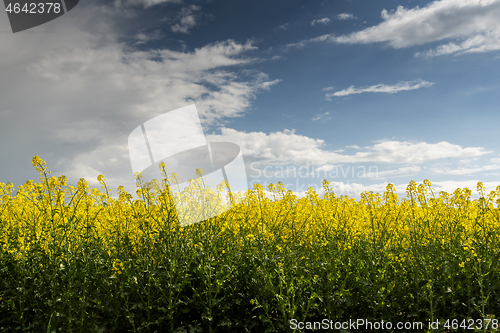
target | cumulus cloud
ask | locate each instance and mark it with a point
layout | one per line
(88, 90)
(346, 16)
(450, 186)
(465, 26)
(288, 147)
(323, 21)
(464, 171)
(469, 160)
(155, 76)
(405, 171)
(325, 168)
(382, 88)
(408, 152)
(354, 189)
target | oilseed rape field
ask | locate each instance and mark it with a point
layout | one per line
(75, 259)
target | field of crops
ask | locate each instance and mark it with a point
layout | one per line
(73, 259)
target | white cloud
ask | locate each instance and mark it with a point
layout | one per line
(346, 16)
(353, 147)
(187, 19)
(88, 90)
(405, 171)
(464, 171)
(144, 38)
(355, 189)
(468, 160)
(323, 21)
(472, 26)
(407, 152)
(450, 186)
(288, 147)
(326, 168)
(157, 75)
(382, 88)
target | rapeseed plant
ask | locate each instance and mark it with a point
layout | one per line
(275, 256)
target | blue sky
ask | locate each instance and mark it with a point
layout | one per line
(406, 89)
